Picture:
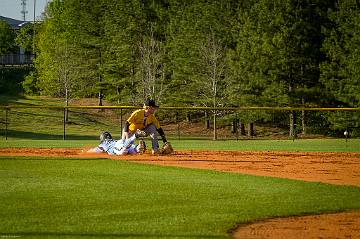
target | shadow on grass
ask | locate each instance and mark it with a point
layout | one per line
(10, 99)
(48, 158)
(15, 134)
(84, 117)
(95, 235)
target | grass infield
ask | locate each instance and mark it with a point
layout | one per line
(301, 145)
(70, 198)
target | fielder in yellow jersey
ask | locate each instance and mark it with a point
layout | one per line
(138, 120)
(145, 120)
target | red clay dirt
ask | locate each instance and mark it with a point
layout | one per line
(332, 168)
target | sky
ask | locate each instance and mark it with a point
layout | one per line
(13, 8)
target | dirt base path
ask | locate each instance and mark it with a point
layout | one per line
(333, 168)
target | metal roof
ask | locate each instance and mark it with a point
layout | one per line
(14, 24)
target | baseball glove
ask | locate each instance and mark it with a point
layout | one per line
(166, 148)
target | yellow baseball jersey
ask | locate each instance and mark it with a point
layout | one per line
(138, 120)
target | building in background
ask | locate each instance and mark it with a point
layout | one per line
(20, 57)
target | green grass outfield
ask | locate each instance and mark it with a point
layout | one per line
(306, 145)
(70, 198)
(99, 198)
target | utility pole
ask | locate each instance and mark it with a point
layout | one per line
(34, 10)
(23, 11)
(34, 28)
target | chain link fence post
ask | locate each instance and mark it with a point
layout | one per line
(6, 122)
(64, 134)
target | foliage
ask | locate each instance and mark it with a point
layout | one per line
(11, 80)
(25, 37)
(224, 53)
(7, 38)
(30, 84)
(58, 64)
(340, 71)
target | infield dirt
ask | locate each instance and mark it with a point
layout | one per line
(332, 168)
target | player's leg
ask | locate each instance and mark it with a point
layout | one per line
(96, 150)
(152, 132)
(133, 149)
(121, 151)
(129, 141)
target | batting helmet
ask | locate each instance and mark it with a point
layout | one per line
(105, 136)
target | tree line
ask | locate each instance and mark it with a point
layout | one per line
(205, 53)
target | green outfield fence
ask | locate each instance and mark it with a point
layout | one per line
(85, 122)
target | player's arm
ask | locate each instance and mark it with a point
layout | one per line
(162, 134)
(159, 130)
(126, 130)
(129, 121)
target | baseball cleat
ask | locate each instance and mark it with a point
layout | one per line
(155, 152)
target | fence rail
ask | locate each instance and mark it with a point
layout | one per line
(16, 116)
(190, 108)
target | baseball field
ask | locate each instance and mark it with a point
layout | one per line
(240, 189)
